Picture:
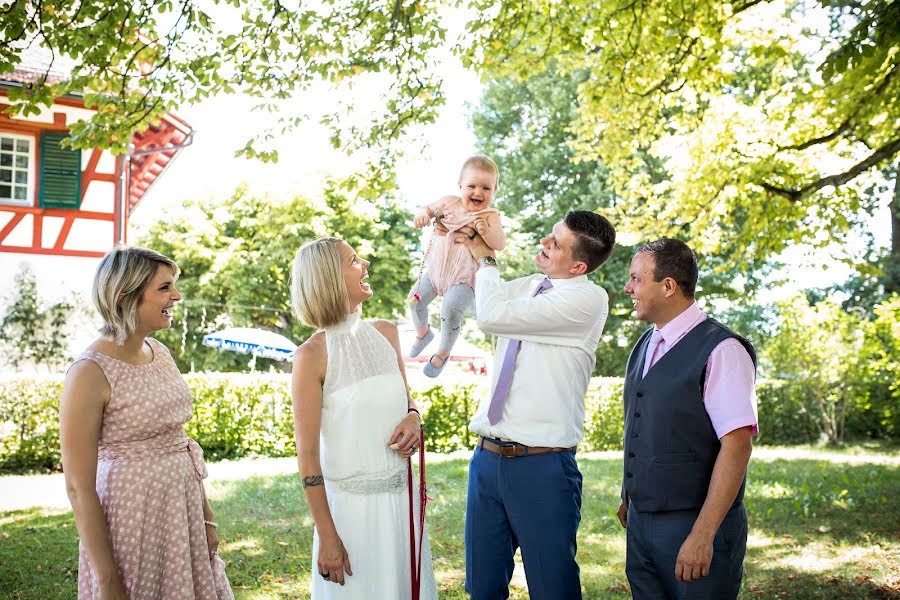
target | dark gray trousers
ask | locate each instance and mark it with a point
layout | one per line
(654, 539)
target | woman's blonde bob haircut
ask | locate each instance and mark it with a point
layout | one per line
(318, 291)
(119, 284)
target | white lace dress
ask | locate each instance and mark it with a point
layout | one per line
(366, 482)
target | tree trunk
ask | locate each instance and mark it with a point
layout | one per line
(892, 268)
(845, 400)
(825, 419)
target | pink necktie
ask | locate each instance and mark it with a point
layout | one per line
(649, 358)
(504, 380)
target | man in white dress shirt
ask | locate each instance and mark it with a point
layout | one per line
(524, 483)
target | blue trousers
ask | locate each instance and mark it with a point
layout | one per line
(529, 502)
(654, 540)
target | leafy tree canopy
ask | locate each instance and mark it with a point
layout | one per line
(745, 126)
(34, 334)
(764, 114)
(235, 258)
(135, 59)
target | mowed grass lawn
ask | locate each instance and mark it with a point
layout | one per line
(823, 524)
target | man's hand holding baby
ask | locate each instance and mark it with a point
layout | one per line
(469, 237)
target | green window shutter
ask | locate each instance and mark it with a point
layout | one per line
(60, 181)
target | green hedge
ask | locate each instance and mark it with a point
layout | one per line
(29, 423)
(238, 415)
(785, 414)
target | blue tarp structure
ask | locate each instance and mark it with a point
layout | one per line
(247, 340)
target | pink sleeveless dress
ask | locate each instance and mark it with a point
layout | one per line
(452, 264)
(148, 480)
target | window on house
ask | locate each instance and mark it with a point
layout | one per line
(16, 169)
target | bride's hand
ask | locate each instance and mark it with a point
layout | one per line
(405, 439)
(333, 560)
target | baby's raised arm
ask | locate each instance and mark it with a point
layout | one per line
(490, 229)
(430, 211)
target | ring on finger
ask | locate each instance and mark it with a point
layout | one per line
(472, 235)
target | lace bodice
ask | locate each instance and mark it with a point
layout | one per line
(356, 352)
(363, 401)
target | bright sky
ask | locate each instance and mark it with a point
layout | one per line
(209, 169)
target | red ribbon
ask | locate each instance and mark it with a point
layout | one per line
(415, 562)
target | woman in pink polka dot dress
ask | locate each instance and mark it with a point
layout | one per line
(133, 477)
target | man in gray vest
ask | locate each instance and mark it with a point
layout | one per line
(690, 415)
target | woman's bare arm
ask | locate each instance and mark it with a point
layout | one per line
(85, 396)
(306, 391)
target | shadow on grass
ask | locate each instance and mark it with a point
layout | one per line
(266, 531)
(811, 499)
(788, 583)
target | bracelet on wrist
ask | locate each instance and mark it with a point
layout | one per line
(212, 524)
(412, 409)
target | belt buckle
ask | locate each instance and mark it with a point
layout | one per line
(508, 451)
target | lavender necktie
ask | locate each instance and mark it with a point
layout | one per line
(655, 339)
(501, 391)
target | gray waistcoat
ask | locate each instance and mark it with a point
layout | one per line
(670, 443)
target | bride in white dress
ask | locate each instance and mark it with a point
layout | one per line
(356, 427)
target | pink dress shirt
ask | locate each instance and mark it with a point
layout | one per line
(728, 392)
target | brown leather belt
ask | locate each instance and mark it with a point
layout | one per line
(514, 450)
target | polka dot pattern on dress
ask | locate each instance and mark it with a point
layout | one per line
(148, 481)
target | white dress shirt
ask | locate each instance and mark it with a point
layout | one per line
(559, 329)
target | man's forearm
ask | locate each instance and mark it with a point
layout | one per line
(727, 477)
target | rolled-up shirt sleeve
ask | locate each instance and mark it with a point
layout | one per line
(563, 315)
(729, 392)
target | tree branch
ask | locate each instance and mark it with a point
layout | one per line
(747, 5)
(825, 138)
(838, 179)
(845, 126)
(665, 81)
